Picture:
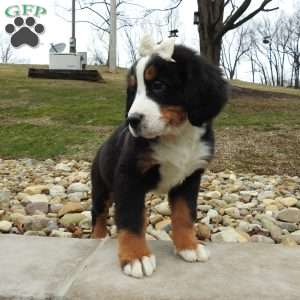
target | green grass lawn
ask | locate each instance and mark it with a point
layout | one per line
(57, 118)
(50, 118)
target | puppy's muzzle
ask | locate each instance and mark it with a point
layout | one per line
(135, 120)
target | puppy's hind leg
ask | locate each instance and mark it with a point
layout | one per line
(101, 200)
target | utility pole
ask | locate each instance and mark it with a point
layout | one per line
(113, 37)
(73, 38)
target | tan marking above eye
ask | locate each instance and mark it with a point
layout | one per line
(150, 73)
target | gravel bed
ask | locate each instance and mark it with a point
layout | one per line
(50, 198)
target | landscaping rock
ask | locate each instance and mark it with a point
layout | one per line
(162, 224)
(71, 219)
(274, 230)
(233, 212)
(296, 236)
(55, 207)
(78, 187)
(213, 195)
(5, 226)
(243, 226)
(230, 235)
(289, 241)
(61, 234)
(204, 207)
(163, 209)
(291, 215)
(154, 218)
(247, 195)
(36, 189)
(231, 198)
(63, 167)
(57, 191)
(212, 213)
(32, 208)
(4, 199)
(288, 201)
(265, 194)
(261, 239)
(35, 199)
(290, 227)
(35, 196)
(227, 221)
(70, 207)
(203, 232)
(76, 197)
(37, 223)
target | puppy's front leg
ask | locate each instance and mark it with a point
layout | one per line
(183, 201)
(135, 257)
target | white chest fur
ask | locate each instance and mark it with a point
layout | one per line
(180, 156)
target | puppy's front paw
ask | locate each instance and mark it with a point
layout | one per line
(139, 268)
(201, 253)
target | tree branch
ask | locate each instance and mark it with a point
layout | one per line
(164, 9)
(231, 22)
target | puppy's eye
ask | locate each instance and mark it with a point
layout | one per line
(158, 86)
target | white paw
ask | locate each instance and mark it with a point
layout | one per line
(201, 253)
(141, 267)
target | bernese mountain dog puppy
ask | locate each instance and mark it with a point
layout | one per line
(164, 146)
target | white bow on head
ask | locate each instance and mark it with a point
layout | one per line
(165, 49)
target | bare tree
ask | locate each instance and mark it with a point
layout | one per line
(281, 39)
(233, 50)
(97, 56)
(257, 61)
(268, 50)
(213, 26)
(97, 14)
(293, 46)
(130, 14)
(131, 45)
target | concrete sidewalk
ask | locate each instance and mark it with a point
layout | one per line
(55, 268)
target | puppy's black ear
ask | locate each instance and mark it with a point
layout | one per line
(131, 89)
(206, 91)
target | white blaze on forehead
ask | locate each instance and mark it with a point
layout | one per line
(140, 70)
(142, 103)
(152, 123)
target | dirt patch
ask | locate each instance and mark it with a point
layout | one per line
(242, 92)
(261, 152)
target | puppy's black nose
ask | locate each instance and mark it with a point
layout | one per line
(134, 120)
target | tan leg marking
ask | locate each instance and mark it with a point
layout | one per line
(131, 247)
(99, 230)
(184, 236)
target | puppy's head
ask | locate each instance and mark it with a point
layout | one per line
(170, 86)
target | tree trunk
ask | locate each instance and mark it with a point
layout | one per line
(252, 69)
(297, 68)
(211, 49)
(211, 22)
(292, 76)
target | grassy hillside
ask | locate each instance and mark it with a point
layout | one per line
(258, 131)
